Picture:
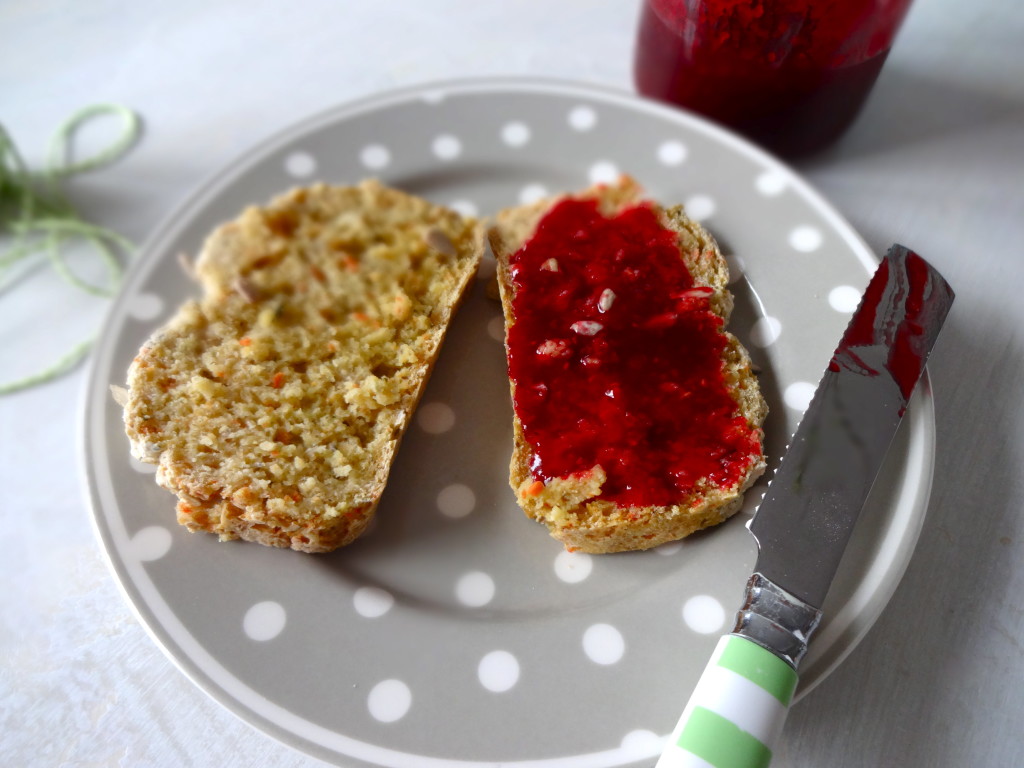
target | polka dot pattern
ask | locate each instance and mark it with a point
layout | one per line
(146, 306)
(300, 165)
(531, 193)
(737, 267)
(447, 147)
(805, 239)
(771, 183)
(464, 208)
(844, 298)
(435, 418)
(151, 543)
(515, 134)
(573, 567)
(798, 395)
(704, 614)
(603, 644)
(669, 549)
(700, 207)
(456, 500)
(475, 589)
(672, 152)
(389, 701)
(582, 118)
(765, 332)
(375, 157)
(603, 172)
(372, 602)
(264, 621)
(496, 328)
(642, 744)
(498, 671)
(142, 467)
(434, 97)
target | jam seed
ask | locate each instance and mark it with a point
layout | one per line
(660, 322)
(605, 301)
(586, 327)
(553, 348)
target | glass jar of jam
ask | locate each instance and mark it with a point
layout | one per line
(791, 75)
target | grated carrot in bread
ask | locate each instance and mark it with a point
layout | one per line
(273, 405)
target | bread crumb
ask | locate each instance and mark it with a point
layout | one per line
(208, 388)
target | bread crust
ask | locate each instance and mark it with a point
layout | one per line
(569, 506)
(273, 405)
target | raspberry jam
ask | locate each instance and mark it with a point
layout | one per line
(616, 359)
(904, 331)
(790, 74)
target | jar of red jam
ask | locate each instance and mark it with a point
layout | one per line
(789, 74)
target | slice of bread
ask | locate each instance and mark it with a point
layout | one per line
(572, 505)
(273, 405)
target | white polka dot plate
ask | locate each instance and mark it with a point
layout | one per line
(456, 632)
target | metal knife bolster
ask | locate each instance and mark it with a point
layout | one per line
(776, 620)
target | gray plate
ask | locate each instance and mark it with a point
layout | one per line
(456, 632)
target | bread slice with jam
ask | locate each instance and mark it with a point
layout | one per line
(637, 416)
(274, 404)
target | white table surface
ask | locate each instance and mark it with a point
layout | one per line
(936, 161)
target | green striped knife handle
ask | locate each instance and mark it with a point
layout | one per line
(736, 711)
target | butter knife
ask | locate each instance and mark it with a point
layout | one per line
(736, 712)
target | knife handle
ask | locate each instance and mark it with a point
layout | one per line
(736, 712)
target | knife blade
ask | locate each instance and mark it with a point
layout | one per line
(808, 514)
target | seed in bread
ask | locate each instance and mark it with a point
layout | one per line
(637, 416)
(273, 405)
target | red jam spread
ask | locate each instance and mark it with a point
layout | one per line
(790, 74)
(903, 330)
(616, 359)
